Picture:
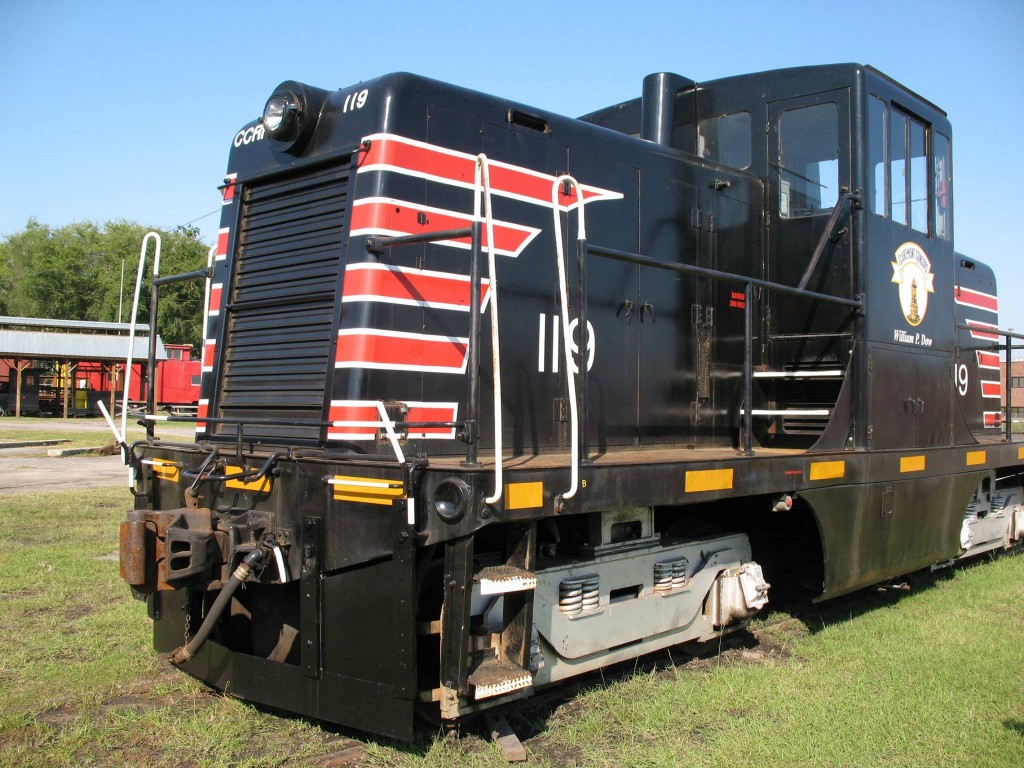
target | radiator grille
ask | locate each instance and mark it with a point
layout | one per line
(281, 307)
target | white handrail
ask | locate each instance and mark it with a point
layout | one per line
(131, 331)
(483, 189)
(563, 290)
(389, 430)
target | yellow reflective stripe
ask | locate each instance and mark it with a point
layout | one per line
(974, 458)
(827, 470)
(362, 498)
(524, 495)
(165, 470)
(708, 480)
(256, 486)
(912, 463)
(368, 490)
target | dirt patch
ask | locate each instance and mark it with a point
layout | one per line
(138, 697)
(20, 595)
(78, 612)
(60, 717)
(353, 755)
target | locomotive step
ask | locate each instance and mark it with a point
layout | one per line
(788, 412)
(809, 374)
(499, 579)
(496, 678)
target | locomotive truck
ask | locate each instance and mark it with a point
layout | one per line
(493, 397)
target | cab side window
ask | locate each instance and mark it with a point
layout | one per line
(878, 175)
(725, 139)
(943, 180)
(808, 160)
(900, 181)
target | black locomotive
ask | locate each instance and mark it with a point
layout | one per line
(492, 397)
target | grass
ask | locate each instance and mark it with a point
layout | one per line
(931, 676)
(67, 439)
(934, 678)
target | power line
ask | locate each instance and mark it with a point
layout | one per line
(200, 218)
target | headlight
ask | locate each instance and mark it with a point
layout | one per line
(291, 114)
(451, 499)
(282, 115)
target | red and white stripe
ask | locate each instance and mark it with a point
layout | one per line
(228, 190)
(992, 389)
(981, 334)
(398, 351)
(993, 418)
(202, 411)
(222, 243)
(372, 281)
(387, 216)
(988, 360)
(359, 420)
(398, 154)
(209, 349)
(216, 299)
(986, 302)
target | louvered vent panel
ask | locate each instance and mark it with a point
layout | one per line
(280, 312)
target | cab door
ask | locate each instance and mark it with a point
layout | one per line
(809, 162)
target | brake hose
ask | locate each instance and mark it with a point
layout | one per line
(240, 574)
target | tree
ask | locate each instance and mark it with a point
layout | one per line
(74, 273)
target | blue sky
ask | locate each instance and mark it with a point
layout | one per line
(125, 110)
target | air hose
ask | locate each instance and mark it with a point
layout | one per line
(240, 574)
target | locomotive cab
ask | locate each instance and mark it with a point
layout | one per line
(858, 205)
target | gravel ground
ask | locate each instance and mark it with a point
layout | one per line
(29, 474)
(20, 473)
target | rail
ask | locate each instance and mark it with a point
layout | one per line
(469, 425)
(152, 324)
(156, 282)
(828, 234)
(1008, 360)
(749, 284)
(580, 441)
(483, 191)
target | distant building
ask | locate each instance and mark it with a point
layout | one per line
(1016, 389)
(66, 367)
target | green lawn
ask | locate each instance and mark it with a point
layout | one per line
(926, 677)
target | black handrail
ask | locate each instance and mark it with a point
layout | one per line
(646, 261)
(154, 305)
(826, 234)
(381, 243)
(749, 284)
(470, 425)
(583, 326)
(1008, 348)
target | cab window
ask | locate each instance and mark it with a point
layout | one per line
(943, 179)
(901, 185)
(909, 171)
(725, 139)
(808, 160)
(878, 178)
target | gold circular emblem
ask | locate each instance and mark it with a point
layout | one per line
(912, 272)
